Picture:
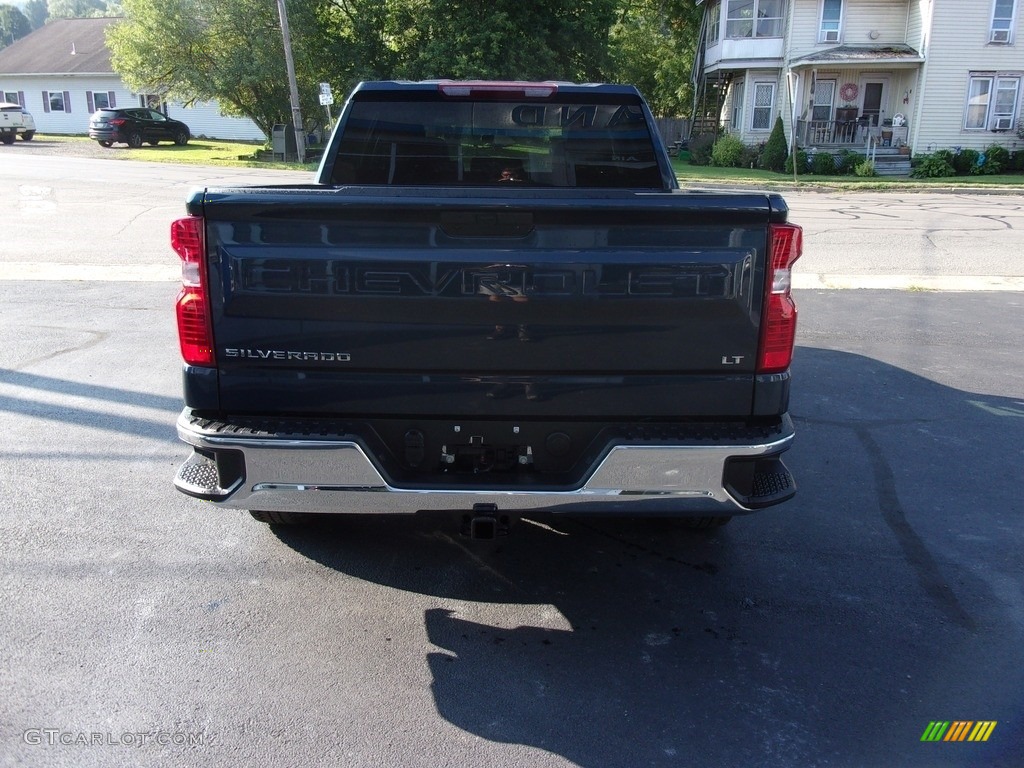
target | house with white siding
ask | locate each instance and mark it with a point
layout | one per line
(61, 73)
(924, 74)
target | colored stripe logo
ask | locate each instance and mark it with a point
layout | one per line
(958, 730)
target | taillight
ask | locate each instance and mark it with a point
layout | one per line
(778, 324)
(497, 90)
(195, 332)
(118, 121)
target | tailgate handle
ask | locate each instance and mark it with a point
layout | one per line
(486, 224)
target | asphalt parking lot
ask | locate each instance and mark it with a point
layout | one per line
(144, 628)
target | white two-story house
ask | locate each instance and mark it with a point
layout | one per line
(62, 73)
(928, 74)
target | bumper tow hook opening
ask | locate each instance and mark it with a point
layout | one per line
(484, 523)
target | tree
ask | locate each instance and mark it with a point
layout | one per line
(507, 40)
(77, 9)
(652, 46)
(37, 12)
(199, 50)
(13, 25)
(231, 50)
(775, 150)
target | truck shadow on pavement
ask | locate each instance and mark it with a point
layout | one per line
(109, 414)
(829, 630)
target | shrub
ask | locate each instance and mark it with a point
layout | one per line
(1016, 161)
(846, 161)
(933, 166)
(947, 155)
(751, 156)
(995, 159)
(965, 161)
(700, 149)
(824, 164)
(775, 150)
(727, 152)
(864, 168)
(803, 160)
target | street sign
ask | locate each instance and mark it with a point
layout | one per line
(325, 89)
(326, 99)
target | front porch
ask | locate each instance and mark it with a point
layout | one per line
(849, 134)
(885, 145)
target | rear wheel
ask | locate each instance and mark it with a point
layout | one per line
(278, 518)
(134, 140)
(107, 144)
(27, 135)
(181, 138)
(154, 142)
(7, 138)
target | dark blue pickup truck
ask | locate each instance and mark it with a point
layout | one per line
(493, 300)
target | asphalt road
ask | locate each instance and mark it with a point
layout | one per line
(140, 627)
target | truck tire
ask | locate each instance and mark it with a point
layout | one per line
(27, 135)
(7, 138)
(278, 518)
(134, 140)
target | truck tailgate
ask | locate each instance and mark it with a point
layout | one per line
(429, 301)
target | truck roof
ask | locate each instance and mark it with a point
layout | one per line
(550, 87)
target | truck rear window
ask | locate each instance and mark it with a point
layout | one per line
(552, 143)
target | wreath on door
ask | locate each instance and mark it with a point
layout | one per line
(848, 92)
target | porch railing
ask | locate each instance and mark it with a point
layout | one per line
(818, 133)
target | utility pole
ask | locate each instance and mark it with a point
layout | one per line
(300, 134)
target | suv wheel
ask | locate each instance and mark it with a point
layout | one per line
(135, 140)
(181, 138)
(106, 144)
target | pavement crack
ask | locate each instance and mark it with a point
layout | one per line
(915, 551)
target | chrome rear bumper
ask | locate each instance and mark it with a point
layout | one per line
(239, 469)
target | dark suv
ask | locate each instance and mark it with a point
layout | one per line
(135, 125)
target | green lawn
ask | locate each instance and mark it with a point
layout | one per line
(197, 151)
(702, 173)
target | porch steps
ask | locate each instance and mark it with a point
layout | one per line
(889, 162)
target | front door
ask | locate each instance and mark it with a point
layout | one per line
(873, 99)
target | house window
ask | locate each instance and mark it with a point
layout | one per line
(764, 106)
(96, 100)
(754, 18)
(714, 23)
(831, 21)
(11, 97)
(56, 101)
(769, 18)
(992, 103)
(1002, 21)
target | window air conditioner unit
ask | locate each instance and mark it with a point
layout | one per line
(831, 35)
(1000, 36)
(1003, 124)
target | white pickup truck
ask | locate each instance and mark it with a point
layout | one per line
(15, 120)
